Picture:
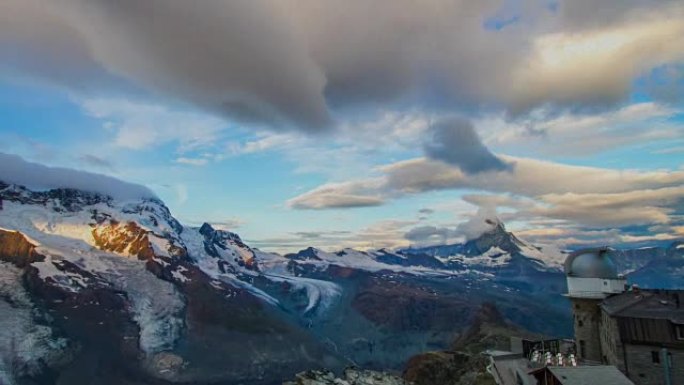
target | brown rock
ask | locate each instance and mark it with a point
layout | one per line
(16, 249)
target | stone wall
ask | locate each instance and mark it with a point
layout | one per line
(587, 318)
(611, 345)
(643, 371)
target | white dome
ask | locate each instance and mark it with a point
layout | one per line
(591, 263)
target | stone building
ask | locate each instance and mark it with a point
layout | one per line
(580, 375)
(641, 332)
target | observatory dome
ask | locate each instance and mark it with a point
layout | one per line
(591, 263)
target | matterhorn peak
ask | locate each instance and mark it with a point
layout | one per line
(495, 223)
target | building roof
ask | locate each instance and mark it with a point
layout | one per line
(589, 375)
(591, 263)
(648, 304)
(512, 370)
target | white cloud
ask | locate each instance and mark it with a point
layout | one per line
(530, 178)
(636, 207)
(566, 134)
(192, 161)
(226, 224)
(670, 150)
(596, 66)
(586, 195)
(380, 234)
(14, 169)
(340, 195)
(265, 142)
(140, 126)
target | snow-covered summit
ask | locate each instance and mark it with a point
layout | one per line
(492, 243)
(37, 177)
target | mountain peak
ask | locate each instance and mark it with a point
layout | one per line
(496, 224)
(496, 236)
(206, 229)
(310, 253)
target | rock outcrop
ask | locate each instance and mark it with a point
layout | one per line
(463, 364)
(16, 249)
(351, 376)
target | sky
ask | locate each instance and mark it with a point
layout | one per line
(362, 124)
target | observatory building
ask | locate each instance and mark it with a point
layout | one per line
(592, 277)
(641, 332)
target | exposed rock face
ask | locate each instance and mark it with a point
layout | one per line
(121, 238)
(70, 200)
(217, 243)
(15, 248)
(350, 376)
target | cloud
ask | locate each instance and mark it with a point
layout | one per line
(192, 161)
(342, 195)
(483, 220)
(14, 169)
(265, 142)
(454, 141)
(430, 235)
(221, 57)
(596, 67)
(331, 201)
(530, 177)
(305, 235)
(670, 150)
(285, 64)
(385, 233)
(227, 224)
(636, 207)
(590, 218)
(535, 189)
(565, 134)
(96, 161)
(139, 126)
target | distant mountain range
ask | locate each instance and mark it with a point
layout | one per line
(117, 291)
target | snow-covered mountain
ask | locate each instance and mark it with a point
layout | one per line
(71, 257)
(494, 252)
(116, 284)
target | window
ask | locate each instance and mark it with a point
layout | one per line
(583, 349)
(580, 323)
(679, 332)
(655, 357)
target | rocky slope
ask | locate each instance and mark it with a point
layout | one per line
(463, 363)
(350, 376)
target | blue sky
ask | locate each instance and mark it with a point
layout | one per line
(335, 129)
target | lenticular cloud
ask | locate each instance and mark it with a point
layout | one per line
(15, 170)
